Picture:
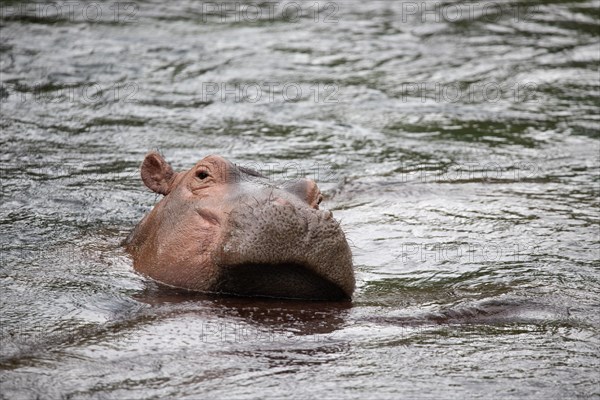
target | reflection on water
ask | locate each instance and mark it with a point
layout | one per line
(302, 318)
(456, 142)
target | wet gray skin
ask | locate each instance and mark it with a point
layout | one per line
(275, 245)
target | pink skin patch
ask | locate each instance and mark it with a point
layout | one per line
(281, 202)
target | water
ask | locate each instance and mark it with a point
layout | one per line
(461, 155)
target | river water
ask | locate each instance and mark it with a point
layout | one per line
(456, 142)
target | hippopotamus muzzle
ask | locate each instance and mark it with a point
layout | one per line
(222, 228)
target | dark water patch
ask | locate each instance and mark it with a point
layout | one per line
(481, 319)
(494, 133)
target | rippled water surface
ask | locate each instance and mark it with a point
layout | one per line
(459, 152)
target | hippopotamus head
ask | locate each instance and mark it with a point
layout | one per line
(227, 229)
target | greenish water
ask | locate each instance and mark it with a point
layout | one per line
(457, 144)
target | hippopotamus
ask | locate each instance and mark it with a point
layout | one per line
(227, 229)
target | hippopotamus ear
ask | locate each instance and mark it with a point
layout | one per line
(157, 174)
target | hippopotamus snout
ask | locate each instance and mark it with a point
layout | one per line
(226, 229)
(279, 234)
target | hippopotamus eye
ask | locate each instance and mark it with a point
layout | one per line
(202, 174)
